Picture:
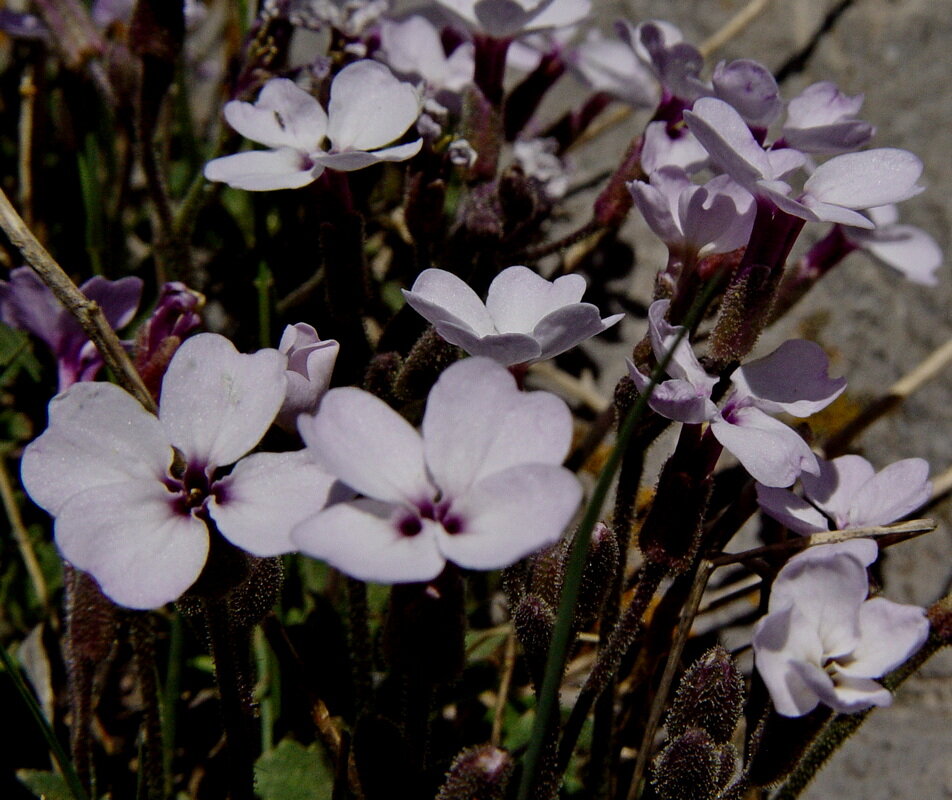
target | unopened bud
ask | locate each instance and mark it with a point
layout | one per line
(710, 696)
(534, 621)
(381, 375)
(744, 312)
(427, 359)
(598, 575)
(688, 768)
(477, 773)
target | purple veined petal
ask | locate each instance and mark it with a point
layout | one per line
(351, 160)
(833, 490)
(366, 444)
(518, 298)
(217, 403)
(362, 539)
(780, 639)
(750, 88)
(264, 170)
(866, 179)
(477, 423)
(894, 492)
(728, 141)
(790, 510)
(265, 496)
(504, 348)
(792, 379)
(771, 452)
(26, 303)
(510, 514)
(842, 693)
(889, 634)
(905, 248)
(131, 540)
(119, 300)
(284, 115)
(98, 436)
(440, 296)
(566, 327)
(369, 107)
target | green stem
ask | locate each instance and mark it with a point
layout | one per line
(59, 755)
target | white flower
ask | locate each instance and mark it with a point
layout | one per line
(310, 366)
(507, 18)
(132, 514)
(481, 485)
(368, 109)
(525, 317)
(823, 641)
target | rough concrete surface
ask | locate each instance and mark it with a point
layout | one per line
(874, 324)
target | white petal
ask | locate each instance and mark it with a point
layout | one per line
(889, 634)
(866, 179)
(906, 248)
(358, 159)
(511, 514)
(217, 403)
(836, 485)
(265, 496)
(842, 693)
(477, 422)
(361, 539)
(518, 298)
(284, 115)
(440, 296)
(98, 435)
(780, 640)
(263, 170)
(790, 510)
(369, 107)
(728, 140)
(129, 538)
(366, 444)
(895, 491)
(568, 326)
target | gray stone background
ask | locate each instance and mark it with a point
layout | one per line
(874, 324)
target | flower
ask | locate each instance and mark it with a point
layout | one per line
(821, 120)
(525, 318)
(906, 248)
(27, 303)
(849, 493)
(412, 48)
(823, 641)
(310, 365)
(481, 485)
(792, 380)
(610, 65)
(368, 109)
(133, 494)
(508, 18)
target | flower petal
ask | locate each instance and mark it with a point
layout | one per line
(265, 496)
(369, 107)
(264, 170)
(866, 179)
(790, 510)
(217, 403)
(477, 423)
(284, 115)
(833, 490)
(728, 141)
(518, 298)
(118, 300)
(511, 514)
(362, 539)
(780, 640)
(895, 491)
(98, 436)
(889, 634)
(131, 540)
(358, 159)
(366, 444)
(675, 399)
(440, 296)
(843, 694)
(566, 327)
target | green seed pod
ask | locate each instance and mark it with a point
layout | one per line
(710, 696)
(477, 773)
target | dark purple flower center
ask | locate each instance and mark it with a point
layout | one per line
(438, 511)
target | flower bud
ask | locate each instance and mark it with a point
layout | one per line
(598, 575)
(310, 365)
(688, 768)
(744, 311)
(534, 621)
(710, 696)
(423, 365)
(477, 773)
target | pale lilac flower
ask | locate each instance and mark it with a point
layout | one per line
(835, 190)
(507, 18)
(610, 65)
(481, 485)
(131, 493)
(821, 119)
(310, 366)
(663, 147)
(412, 48)
(525, 317)
(823, 641)
(905, 248)
(750, 89)
(661, 47)
(695, 221)
(849, 493)
(538, 159)
(27, 303)
(791, 380)
(368, 109)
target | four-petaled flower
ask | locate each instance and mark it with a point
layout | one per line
(368, 109)
(525, 317)
(480, 486)
(823, 641)
(133, 494)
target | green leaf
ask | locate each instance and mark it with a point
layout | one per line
(47, 785)
(294, 772)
